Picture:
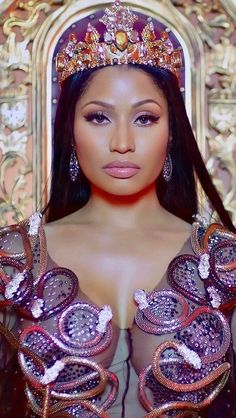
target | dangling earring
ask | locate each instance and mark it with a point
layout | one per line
(74, 166)
(167, 168)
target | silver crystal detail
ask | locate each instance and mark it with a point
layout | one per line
(204, 266)
(215, 297)
(104, 317)
(134, 36)
(52, 373)
(108, 38)
(34, 223)
(37, 307)
(13, 286)
(118, 17)
(70, 49)
(140, 297)
(151, 25)
(190, 356)
(201, 220)
(169, 47)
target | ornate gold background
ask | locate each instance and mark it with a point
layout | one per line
(29, 31)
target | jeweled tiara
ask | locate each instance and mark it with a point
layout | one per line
(121, 45)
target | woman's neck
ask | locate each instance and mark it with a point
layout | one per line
(142, 209)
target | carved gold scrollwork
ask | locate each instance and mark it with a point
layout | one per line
(222, 116)
(28, 27)
(216, 26)
(19, 30)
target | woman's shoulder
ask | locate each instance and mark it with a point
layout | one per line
(14, 237)
(64, 229)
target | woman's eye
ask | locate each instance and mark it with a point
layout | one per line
(97, 117)
(147, 119)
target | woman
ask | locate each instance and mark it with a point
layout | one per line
(122, 199)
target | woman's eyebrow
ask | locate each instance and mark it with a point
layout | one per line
(99, 103)
(142, 102)
(110, 106)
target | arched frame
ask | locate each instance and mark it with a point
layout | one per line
(30, 32)
(44, 46)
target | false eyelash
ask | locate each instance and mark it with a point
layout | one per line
(96, 114)
(92, 115)
(150, 116)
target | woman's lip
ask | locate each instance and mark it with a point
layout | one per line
(121, 164)
(121, 172)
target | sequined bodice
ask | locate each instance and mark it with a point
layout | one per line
(76, 361)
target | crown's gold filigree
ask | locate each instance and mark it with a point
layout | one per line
(121, 45)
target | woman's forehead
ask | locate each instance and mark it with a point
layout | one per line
(122, 81)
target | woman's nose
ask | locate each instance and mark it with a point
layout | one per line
(122, 139)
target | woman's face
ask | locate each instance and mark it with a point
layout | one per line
(121, 130)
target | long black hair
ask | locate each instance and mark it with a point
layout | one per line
(178, 196)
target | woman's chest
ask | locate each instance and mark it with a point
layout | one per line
(112, 279)
(110, 270)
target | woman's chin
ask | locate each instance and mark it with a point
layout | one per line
(124, 190)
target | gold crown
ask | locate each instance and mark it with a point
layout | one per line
(121, 45)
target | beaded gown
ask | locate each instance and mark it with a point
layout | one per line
(176, 361)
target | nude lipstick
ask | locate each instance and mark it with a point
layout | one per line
(121, 169)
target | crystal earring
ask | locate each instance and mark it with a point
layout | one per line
(167, 168)
(74, 166)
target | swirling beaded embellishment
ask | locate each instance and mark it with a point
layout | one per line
(61, 377)
(191, 367)
(164, 311)
(219, 245)
(84, 331)
(209, 277)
